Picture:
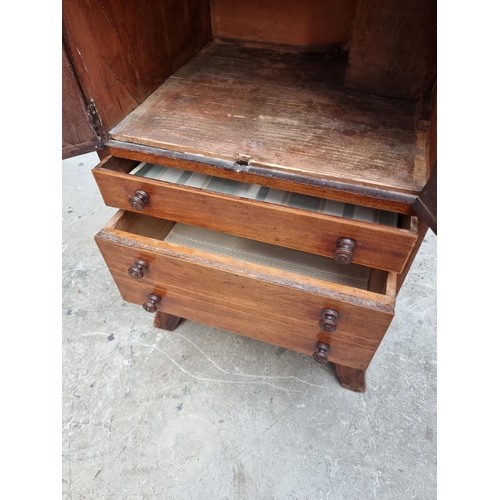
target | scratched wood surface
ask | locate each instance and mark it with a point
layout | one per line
(78, 134)
(122, 51)
(285, 111)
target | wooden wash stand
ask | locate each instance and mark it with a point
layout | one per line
(273, 162)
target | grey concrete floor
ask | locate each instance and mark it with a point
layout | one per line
(201, 413)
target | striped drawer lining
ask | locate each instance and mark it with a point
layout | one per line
(265, 194)
(264, 254)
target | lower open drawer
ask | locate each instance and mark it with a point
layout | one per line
(280, 296)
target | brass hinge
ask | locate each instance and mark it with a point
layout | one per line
(96, 119)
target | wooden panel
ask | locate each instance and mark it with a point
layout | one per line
(431, 146)
(122, 53)
(422, 231)
(272, 330)
(393, 48)
(250, 286)
(284, 111)
(378, 246)
(315, 23)
(78, 135)
(426, 203)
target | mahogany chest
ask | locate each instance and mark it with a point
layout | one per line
(273, 163)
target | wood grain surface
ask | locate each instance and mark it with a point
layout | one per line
(78, 135)
(123, 52)
(378, 246)
(393, 48)
(285, 111)
(315, 23)
(273, 329)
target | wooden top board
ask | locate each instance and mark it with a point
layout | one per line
(284, 111)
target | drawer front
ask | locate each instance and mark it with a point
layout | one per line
(273, 329)
(377, 246)
(272, 306)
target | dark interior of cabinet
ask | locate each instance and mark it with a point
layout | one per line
(329, 88)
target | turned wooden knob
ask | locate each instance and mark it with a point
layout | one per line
(328, 321)
(136, 271)
(140, 199)
(345, 251)
(321, 355)
(152, 303)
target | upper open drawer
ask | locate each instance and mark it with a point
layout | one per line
(346, 232)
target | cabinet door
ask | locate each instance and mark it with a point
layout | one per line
(78, 131)
(426, 203)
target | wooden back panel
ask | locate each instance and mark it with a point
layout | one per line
(123, 51)
(393, 48)
(314, 23)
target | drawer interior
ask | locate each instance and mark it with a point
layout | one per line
(264, 193)
(254, 252)
(258, 192)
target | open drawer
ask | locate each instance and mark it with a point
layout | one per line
(280, 296)
(348, 233)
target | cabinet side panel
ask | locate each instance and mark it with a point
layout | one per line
(431, 155)
(422, 231)
(393, 48)
(315, 23)
(122, 53)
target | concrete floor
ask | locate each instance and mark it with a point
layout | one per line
(201, 413)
